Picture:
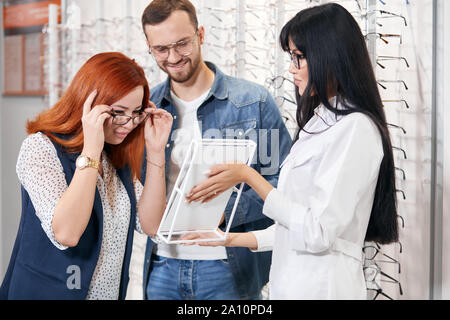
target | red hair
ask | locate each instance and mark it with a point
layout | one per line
(114, 75)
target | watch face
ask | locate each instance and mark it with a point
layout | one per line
(82, 162)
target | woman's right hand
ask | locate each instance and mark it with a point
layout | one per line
(93, 120)
(206, 235)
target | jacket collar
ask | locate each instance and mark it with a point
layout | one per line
(219, 87)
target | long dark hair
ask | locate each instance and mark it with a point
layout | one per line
(336, 53)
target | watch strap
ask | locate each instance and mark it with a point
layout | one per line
(93, 163)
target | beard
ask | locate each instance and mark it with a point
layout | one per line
(190, 67)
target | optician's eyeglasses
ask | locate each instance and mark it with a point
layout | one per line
(122, 119)
(183, 48)
(297, 59)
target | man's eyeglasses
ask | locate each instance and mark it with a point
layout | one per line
(122, 119)
(183, 48)
(297, 59)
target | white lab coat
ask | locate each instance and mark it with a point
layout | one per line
(322, 207)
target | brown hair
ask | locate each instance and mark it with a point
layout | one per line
(159, 10)
(114, 76)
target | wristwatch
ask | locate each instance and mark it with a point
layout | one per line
(86, 162)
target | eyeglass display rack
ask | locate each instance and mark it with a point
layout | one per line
(382, 283)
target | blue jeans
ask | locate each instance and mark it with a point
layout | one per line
(175, 279)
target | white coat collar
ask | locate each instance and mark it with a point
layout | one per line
(328, 116)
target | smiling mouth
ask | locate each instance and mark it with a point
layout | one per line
(177, 66)
(121, 134)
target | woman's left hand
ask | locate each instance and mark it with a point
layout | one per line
(220, 178)
(157, 128)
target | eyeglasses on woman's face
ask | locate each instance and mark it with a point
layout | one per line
(297, 59)
(120, 118)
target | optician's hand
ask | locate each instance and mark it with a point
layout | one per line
(92, 121)
(157, 128)
(220, 178)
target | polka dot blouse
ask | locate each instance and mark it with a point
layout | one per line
(41, 174)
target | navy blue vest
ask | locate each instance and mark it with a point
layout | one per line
(39, 270)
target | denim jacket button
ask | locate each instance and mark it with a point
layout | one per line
(168, 145)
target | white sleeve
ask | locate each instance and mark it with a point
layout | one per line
(138, 188)
(346, 170)
(265, 238)
(42, 175)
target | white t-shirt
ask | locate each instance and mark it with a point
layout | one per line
(188, 129)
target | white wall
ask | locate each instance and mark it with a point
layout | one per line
(416, 47)
(443, 95)
(14, 111)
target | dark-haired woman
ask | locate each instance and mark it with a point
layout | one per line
(336, 188)
(82, 195)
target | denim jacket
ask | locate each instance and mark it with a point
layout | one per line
(237, 108)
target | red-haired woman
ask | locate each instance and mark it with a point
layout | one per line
(82, 190)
